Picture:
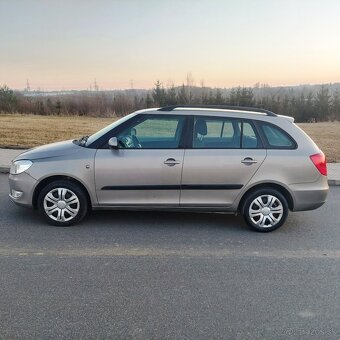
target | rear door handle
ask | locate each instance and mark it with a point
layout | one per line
(249, 160)
(171, 162)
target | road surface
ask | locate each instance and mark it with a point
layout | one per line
(147, 275)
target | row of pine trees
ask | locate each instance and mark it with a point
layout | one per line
(309, 107)
(304, 106)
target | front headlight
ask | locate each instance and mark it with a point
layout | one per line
(18, 167)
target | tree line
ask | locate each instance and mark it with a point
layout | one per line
(306, 105)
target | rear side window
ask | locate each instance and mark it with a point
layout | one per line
(216, 133)
(276, 138)
(223, 133)
(249, 138)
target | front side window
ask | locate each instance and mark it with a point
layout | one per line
(276, 138)
(223, 133)
(153, 133)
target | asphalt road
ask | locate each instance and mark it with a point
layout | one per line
(144, 275)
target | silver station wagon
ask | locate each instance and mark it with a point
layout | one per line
(207, 158)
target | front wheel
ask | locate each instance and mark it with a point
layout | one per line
(62, 203)
(265, 209)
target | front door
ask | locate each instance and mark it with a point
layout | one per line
(146, 168)
(225, 154)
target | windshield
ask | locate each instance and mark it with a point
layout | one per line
(106, 129)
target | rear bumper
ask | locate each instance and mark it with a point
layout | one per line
(310, 196)
(24, 184)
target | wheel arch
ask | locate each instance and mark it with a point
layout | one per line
(54, 178)
(284, 191)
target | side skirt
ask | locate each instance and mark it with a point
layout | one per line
(196, 208)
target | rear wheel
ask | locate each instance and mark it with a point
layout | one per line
(265, 209)
(62, 203)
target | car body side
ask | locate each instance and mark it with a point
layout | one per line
(291, 170)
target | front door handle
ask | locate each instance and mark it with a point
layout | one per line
(248, 161)
(171, 162)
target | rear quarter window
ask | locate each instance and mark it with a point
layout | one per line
(276, 138)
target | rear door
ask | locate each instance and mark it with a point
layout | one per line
(225, 153)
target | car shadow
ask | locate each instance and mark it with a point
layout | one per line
(134, 220)
(162, 219)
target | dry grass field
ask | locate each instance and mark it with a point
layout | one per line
(25, 131)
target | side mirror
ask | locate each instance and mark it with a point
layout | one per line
(113, 143)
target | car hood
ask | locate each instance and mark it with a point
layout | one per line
(50, 150)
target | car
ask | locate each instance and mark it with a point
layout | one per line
(190, 158)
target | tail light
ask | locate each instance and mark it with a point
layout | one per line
(319, 161)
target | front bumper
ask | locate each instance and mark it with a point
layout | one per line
(22, 183)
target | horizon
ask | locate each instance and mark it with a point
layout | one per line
(122, 45)
(32, 89)
(254, 86)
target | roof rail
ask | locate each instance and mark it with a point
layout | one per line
(220, 107)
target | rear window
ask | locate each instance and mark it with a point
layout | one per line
(277, 138)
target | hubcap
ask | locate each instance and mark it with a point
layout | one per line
(266, 211)
(61, 204)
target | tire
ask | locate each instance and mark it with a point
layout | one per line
(265, 209)
(63, 203)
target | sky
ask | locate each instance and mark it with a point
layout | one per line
(67, 44)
